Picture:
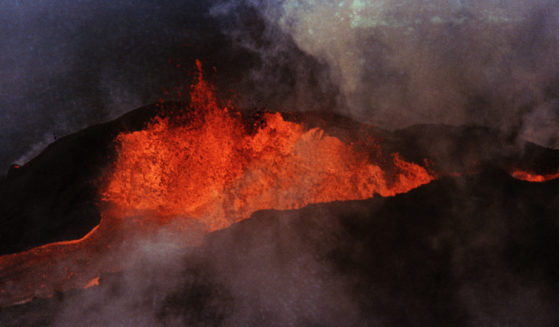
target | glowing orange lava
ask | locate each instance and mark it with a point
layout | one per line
(92, 283)
(533, 177)
(212, 170)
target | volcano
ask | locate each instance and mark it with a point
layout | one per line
(196, 213)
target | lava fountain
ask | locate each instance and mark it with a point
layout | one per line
(210, 169)
(214, 170)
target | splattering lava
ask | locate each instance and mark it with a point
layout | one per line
(212, 170)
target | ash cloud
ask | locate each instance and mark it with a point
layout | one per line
(398, 63)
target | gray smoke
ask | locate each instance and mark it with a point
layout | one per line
(270, 276)
(65, 65)
(402, 62)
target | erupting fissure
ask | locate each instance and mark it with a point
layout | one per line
(213, 170)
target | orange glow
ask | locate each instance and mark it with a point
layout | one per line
(92, 283)
(532, 177)
(58, 266)
(213, 170)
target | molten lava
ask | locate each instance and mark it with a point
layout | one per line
(533, 177)
(214, 170)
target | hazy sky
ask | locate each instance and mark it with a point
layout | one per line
(66, 64)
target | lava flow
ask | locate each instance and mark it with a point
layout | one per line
(533, 177)
(212, 170)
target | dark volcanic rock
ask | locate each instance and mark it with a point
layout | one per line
(54, 197)
(467, 251)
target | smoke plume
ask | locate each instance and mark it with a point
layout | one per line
(398, 63)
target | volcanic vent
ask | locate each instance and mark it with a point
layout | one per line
(209, 167)
(352, 232)
(216, 169)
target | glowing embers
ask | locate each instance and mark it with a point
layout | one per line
(533, 177)
(214, 170)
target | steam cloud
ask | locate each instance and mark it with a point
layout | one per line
(275, 280)
(398, 63)
(350, 264)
